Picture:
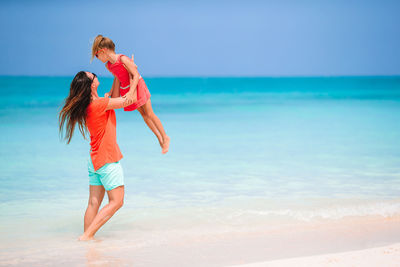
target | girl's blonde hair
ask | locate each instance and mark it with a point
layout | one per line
(102, 42)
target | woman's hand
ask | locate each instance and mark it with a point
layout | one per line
(118, 102)
(107, 95)
(131, 96)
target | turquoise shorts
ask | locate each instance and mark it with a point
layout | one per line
(109, 175)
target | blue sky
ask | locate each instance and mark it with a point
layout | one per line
(205, 38)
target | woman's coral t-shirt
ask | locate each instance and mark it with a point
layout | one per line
(101, 124)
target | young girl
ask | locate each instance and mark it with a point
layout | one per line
(135, 89)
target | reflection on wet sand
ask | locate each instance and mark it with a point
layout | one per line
(95, 256)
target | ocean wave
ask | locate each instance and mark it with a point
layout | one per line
(384, 209)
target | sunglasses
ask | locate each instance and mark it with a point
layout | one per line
(97, 53)
(94, 76)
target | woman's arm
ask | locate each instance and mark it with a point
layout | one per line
(118, 102)
(115, 88)
(112, 87)
(134, 77)
(112, 90)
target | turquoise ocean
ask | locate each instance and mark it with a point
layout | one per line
(246, 154)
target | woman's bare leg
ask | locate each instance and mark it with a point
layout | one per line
(155, 125)
(116, 200)
(95, 198)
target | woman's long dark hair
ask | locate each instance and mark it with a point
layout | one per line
(74, 110)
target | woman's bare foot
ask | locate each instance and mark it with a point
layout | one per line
(85, 238)
(165, 145)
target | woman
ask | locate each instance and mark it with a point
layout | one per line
(96, 115)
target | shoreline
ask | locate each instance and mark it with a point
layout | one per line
(378, 256)
(311, 243)
(260, 247)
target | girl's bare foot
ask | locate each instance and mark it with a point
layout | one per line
(85, 238)
(165, 145)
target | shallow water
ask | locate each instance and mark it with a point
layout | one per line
(246, 154)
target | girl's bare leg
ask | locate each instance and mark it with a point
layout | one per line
(116, 200)
(95, 198)
(155, 125)
(151, 125)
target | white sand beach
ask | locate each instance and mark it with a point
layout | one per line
(381, 256)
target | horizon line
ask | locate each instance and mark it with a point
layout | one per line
(214, 76)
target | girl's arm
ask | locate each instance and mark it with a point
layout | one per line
(118, 102)
(134, 77)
